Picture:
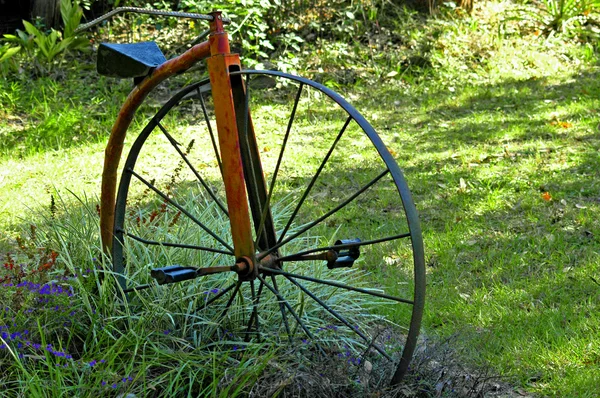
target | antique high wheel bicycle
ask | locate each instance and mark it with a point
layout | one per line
(276, 213)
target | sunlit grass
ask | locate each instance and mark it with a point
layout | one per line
(482, 136)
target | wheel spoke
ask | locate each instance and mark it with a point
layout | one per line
(314, 179)
(336, 284)
(168, 244)
(181, 209)
(340, 318)
(210, 131)
(282, 309)
(138, 288)
(254, 316)
(230, 301)
(186, 160)
(291, 310)
(295, 256)
(280, 157)
(323, 217)
(215, 298)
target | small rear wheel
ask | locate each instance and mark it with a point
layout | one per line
(339, 248)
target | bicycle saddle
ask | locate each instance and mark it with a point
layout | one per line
(131, 60)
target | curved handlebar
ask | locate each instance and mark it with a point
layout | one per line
(150, 11)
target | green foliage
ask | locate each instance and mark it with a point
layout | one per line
(63, 326)
(572, 17)
(249, 24)
(41, 49)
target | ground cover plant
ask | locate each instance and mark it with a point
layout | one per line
(496, 128)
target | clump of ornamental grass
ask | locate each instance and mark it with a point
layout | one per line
(68, 327)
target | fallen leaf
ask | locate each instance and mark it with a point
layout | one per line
(462, 184)
(565, 125)
(580, 206)
(392, 74)
(546, 196)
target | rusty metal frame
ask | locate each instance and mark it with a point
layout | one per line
(220, 62)
(241, 167)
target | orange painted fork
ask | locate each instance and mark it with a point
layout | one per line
(220, 63)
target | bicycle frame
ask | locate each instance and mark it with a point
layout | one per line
(220, 63)
(246, 192)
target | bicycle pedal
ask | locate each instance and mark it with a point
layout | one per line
(345, 257)
(173, 273)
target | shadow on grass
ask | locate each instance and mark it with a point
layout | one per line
(49, 114)
(506, 178)
(506, 264)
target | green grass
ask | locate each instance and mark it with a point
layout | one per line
(496, 121)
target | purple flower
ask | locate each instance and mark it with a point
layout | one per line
(103, 383)
(93, 363)
(114, 385)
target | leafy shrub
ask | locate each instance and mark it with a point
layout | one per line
(249, 27)
(40, 49)
(571, 17)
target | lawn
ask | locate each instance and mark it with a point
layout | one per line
(498, 139)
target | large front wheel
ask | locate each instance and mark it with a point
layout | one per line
(338, 244)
